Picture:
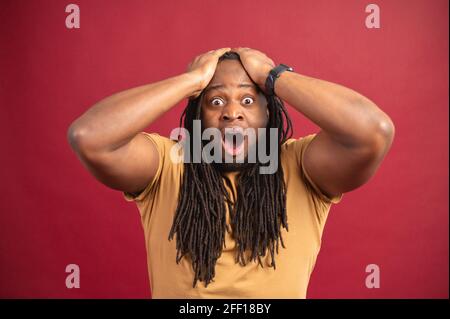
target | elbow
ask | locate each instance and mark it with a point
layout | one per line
(378, 129)
(386, 129)
(382, 135)
(85, 143)
(75, 137)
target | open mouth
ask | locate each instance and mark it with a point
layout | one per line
(233, 140)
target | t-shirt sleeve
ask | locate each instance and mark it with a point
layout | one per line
(161, 144)
(302, 145)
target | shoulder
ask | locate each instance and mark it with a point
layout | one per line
(161, 142)
(292, 158)
(169, 168)
(294, 148)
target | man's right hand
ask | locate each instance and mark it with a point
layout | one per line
(203, 68)
(106, 137)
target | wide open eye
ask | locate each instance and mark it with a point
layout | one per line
(247, 101)
(217, 102)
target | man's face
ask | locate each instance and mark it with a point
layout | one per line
(231, 100)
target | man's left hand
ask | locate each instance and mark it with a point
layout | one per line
(257, 65)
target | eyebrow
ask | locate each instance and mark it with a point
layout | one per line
(221, 86)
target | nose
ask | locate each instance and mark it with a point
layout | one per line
(231, 112)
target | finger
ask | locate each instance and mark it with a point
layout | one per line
(222, 51)
(240, 50)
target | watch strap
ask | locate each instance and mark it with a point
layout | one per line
(275, 74)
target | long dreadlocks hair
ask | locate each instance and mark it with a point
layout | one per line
(257, 215)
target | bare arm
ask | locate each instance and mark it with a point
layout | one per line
(106, 140)
(355, 134)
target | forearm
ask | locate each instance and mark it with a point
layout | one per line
(347, 116)
(115, 120)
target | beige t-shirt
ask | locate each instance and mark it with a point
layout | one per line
(307, 211)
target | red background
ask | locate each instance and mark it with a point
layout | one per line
(53, 213)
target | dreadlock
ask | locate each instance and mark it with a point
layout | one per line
(256, 216)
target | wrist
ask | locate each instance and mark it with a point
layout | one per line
(273, 77)
(195, 83)
(262, 79)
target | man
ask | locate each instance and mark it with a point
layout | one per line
(225, 229)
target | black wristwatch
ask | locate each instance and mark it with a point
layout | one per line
(273, 75)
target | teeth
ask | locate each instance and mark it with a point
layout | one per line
(233, 140)
(231, 135)
(233, 131)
